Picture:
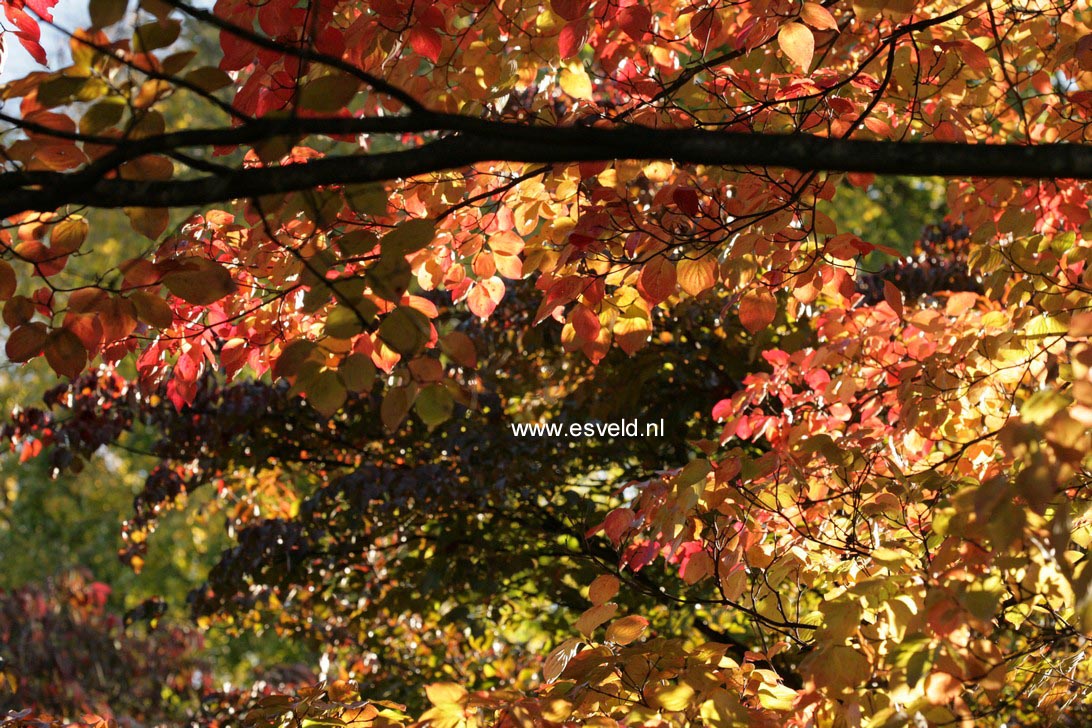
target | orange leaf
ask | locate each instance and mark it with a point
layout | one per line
(603, 588)
(152, 309)
(585, 322)
(818, 17)
(657, 280)
(626, 629)
(699, 275)
(798, 43)
(757, 310)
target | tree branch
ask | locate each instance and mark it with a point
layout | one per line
(479, 141)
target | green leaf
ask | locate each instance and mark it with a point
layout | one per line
(208, 78)
(389, 277)
(294, 355)
(409, 237)
(344, 323)
(434, 405)
(329, 93)
(103, 115)
(326, 392)
(358, 372)
(158, 34)
(367, 199)
(405, 330)
(60, 90)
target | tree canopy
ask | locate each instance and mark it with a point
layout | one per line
(310, 267)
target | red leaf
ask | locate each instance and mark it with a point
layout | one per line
(705, 28)
(636, 20)
(426, 42)
(893, 296)
(585, 322)
(573, 37)
(570, 9)
(687, 200)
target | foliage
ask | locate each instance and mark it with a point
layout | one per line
(372, 235)
(64, 649)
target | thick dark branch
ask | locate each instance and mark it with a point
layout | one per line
(478, 141)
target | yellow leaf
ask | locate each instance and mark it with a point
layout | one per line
(445, 694)
(576, 83)
(672, 697)
(434, 405)
(559, 657)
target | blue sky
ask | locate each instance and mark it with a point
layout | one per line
(67, 14)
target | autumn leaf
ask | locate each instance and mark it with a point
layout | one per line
(8, 281)
(199, 281)
(575, 82)
(626, 630)
(696, 276)
(434, 405)
(326, 392)
(405, 330)
(65, 353)
(757, 309)
(603, 589)
(657, 280)
(817, 17)
(798, 43)
(152, 309)
(26, 341)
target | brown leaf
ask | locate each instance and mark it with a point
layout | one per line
(26, 342)
(152, 310)
(65, 353)
(8, 282)
(199, 281)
